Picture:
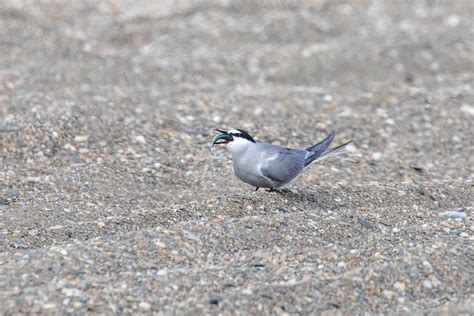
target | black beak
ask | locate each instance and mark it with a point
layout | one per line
(220, 131)
(222, 138)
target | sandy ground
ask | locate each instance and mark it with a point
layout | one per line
(112, 202)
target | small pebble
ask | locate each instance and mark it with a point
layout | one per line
(140, 139)
(33, 232)
(145, 306)
(80, 138)
(452, 214)
(376, 156)
(365, 223)
(11, 193)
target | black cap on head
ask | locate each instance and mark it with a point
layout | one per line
(241, 133)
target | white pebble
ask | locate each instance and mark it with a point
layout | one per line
(328, 98)
(145, 305)
(453, 20)
(467, 109)
(452, 214)
(140, 139)
(376, 156)
(80, 138)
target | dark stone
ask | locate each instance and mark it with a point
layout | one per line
(258, 265)
(409, 78)
(418, 169)
(365, 223)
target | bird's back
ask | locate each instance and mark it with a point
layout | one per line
(266, 165)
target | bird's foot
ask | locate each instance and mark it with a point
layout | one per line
(256, 189)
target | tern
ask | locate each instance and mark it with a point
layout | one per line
(270, 166)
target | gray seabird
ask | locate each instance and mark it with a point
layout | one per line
(269, 166)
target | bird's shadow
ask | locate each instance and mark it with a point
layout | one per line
(314, 197)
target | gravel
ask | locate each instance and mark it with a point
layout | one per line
(112, 202)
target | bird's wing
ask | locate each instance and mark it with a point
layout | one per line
(282, 164)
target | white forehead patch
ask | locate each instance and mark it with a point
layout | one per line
(233, 131)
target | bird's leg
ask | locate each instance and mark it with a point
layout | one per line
(256, 189)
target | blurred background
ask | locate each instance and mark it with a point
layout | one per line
(85, 79)
(107, 108)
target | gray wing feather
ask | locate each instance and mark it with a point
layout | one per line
(318, 149)
(284, 164)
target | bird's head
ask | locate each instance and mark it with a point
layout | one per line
(235, 139)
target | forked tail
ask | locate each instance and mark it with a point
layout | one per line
(321, 150)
